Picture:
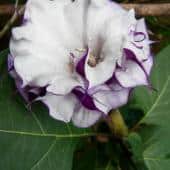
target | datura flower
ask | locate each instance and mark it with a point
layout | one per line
(81, 58)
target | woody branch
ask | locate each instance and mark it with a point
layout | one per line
(160, 9)
(141, 10)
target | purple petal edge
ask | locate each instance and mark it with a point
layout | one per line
(28, 93)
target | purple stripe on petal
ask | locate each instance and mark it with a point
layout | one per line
(139, 36)
(131, 56)
(88, 102)
(80, 67)
(85, 99)
(137, 46)
(30, 93)
(113, 80)
(126, 79)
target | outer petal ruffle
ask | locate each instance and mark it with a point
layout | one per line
(60, 107)
(84, 118)
(147, 65)
(108, 100)
(133, 75)
(137, 39)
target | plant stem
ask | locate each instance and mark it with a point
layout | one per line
(158, 9)
(13, 19)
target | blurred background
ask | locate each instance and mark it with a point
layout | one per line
(158, 27)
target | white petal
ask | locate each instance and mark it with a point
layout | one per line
(84, 118)
(148, 65)
(41, 47)
(132, 76)
(101, 72)
(63, 85)
(141, 48)
(76, 15)
(60, 107)
(141, 54)
(31, 74)
(141, 27)
(108, 100)
(104, 38)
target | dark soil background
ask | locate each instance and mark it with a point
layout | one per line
(158, 27)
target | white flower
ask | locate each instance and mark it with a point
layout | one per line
(80, 58)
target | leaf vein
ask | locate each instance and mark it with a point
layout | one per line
(45, 154)
(51, 135)
(38, 122)
(159, 97)
(155, 103)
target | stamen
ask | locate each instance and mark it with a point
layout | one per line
(71, 63)
(80, 50)
(92, 61)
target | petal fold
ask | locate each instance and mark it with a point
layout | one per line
(84, 118)
(111, 99)
(60, 107)
(132, 76)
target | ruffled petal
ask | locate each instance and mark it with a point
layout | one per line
(104, 38)
(147, 65)
(111, 99)
(141, 27)
(142, 52)
(64, 85)
(60, 107)
(101, 73)
(85, 118)
(133, 75)
(45, 43)
(137, 39)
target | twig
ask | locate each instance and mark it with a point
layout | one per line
(162, 9)
(17, 12)
(159, 9)
(141, 10)
(16, 4)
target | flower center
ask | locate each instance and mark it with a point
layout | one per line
(92, 60)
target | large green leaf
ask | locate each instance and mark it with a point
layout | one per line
(156, 122)
(31, 139)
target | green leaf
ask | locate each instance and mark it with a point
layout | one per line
(156, 122)
(85, 158)
(95, 156)
(109, 166)
(31, 140)
(135, 144)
